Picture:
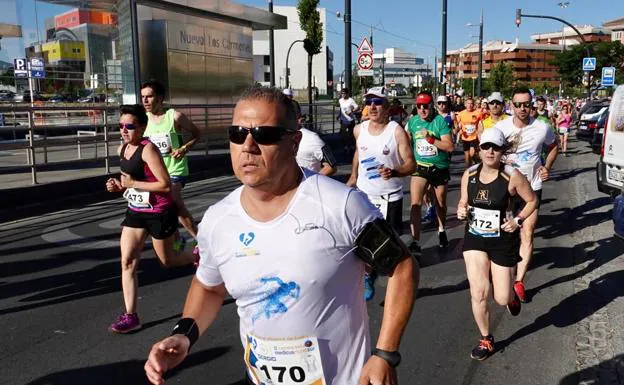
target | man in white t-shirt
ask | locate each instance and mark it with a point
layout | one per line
(290, 247)
(527, 137)
(346, 117)
(314, 154)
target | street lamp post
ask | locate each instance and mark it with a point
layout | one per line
(443, 67)
(480, 65)
(287, 56)
(347, 45)
(563, 5)
(272, 50)
(520, 15)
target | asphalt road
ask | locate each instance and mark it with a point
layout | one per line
(60, 289)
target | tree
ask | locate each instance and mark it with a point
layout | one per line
(310, 20)
(501, 78)
(607, 54)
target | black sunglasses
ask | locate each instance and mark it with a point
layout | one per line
(522, 104)
(425, 106)
(487, 146)
(495, 103)
(261, 135)
(375, 101)
(127, 126)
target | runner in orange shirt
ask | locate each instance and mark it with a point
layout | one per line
(468, 121)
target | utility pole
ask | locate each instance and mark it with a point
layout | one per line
(443, 68)
(347, 64)
(271, 50)
(480, 67)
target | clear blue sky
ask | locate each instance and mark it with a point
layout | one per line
(419, 22)
(413, 25)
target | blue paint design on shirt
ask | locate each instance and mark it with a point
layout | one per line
(273, 299)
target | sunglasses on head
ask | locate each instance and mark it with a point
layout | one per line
(522, 104)
(375, 101)
(260, 135)
(423, 106)
(127, 126)
(487, 146)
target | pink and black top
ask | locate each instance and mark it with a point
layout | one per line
(140, 171)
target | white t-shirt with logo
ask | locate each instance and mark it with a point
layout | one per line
(295, 276)
(527, 147)
(310, 152)
(347, 106)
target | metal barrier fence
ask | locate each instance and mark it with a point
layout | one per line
(66, 135)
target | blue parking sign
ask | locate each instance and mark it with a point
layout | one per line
(608, 76)
(589, 63)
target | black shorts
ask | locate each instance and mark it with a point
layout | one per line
(394, 216)
(434, 176)
(158, 225)
(471, 143)
(503, 251)
(517, 203)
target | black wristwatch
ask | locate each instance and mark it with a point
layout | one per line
(519, 221)
(392, 358)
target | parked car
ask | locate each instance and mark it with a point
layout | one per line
(24, 97)
(6, 96)
(92, 98)
(596, 142)
(589, 121)
(610, 167)
(618, 216)
(57, 98)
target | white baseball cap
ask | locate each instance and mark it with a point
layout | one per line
(495, 96)
(442, 99)
(493, 135)
(380, 92)
(288, 92)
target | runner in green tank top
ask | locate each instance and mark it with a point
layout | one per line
(165, 128)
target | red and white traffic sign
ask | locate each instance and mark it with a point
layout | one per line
(365, 47)
(365, 61)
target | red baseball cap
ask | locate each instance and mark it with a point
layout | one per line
(424, 99)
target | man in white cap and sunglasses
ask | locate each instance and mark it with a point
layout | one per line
(291, 247)
(383, 156)
(496, 102)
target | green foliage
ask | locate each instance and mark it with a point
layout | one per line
(501, 79)
(607, 54)
(310, 20)
(7, 78)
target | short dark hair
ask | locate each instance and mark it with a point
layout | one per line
(344, 90)
(156, 86)
(540, 99)
(521, 90)
(275, 96)
(136, 110)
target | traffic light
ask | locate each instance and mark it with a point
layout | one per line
(518, 17)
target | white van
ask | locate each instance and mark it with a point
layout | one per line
(610, 168)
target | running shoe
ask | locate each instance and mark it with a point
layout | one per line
(415, 249)
(519, 289)
(443, 239)
(484, 349)
(430, 216)
(369, 287)
(514, 306)
(196, 254)
(179, 244)
(126, 323)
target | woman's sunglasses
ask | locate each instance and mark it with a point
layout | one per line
(487, 146)
(375, 101)
(261, 135)
(127, 126)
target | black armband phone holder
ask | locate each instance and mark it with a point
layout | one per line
(380, 246)
(188, 327)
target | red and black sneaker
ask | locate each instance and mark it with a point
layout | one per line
(484, 349)
(519, 289)
(514, 306)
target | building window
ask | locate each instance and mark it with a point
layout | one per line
(267, 60)
(267, 76)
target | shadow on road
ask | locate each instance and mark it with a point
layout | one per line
(129, 372)
(565, 221)
(601, 292)
(607, 372)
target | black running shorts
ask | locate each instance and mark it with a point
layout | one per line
(435, 176)
(517, 203)
(504, 251)
(471, 143)
(158, 225)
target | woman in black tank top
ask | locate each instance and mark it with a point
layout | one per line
(151, 211)
(492, 241)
